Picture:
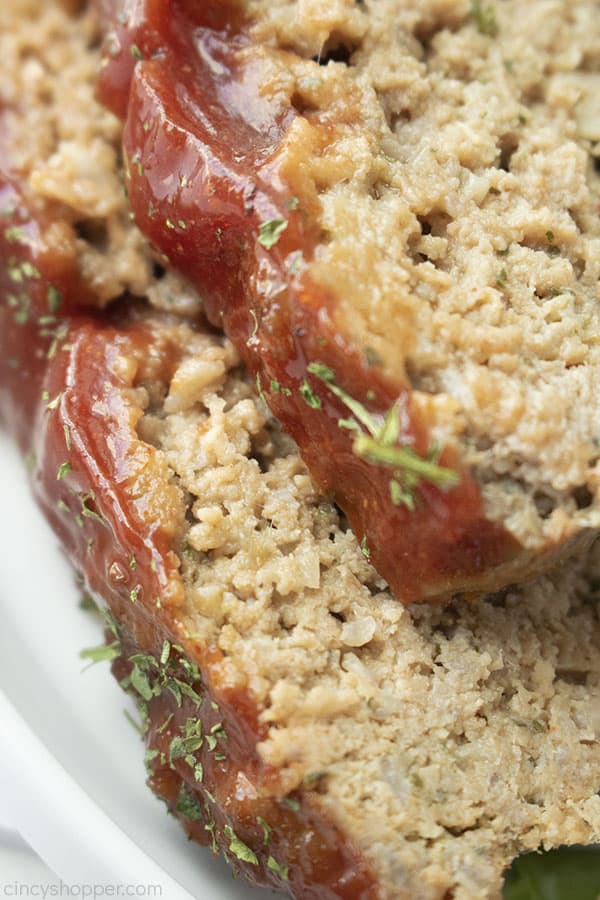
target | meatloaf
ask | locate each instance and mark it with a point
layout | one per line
(328, 740)
(391, 207)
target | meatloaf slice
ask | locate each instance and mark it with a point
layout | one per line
(328, 740)
(392, 208)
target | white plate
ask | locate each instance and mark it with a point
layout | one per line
(71, 770)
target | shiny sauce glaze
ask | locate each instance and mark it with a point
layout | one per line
(203, 146)
(68, 376)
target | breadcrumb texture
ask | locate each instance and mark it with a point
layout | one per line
(456, 144)
(64, 148)
(442, 742)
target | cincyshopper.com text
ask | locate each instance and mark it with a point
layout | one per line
(80, 891)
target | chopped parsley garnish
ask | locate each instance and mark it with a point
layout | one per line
(136, 52)
(364, 547)
(190, 743)
(277, 388)
(259, 388)
(266, 829)
(188, 805)
(309, 396)
(63, 470)
(501, 278)
(53, 404)
(16, 234)
(280, 870)
(86, 510)
(166, 650)
(238, 848)
(270, 232)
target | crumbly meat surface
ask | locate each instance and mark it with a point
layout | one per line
(457, 145)
(444, 742)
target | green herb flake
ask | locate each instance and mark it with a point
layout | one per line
(238, 848)
(259, 388)
(29, 270)
(63, 470)
(140, 682)
(136, 52)
(266, 830)
(270, 232)
(15, 234)
(401, 496)
(277, 388)
(550, 237)
(150, 755)
(280, 870)
(364, 548)
(308, 395)
(501, 278)
(86, 511)
(182, 747)
(165, 724)
(134, 593)
(53, 404)
(484, 15)
(188, 805)
(87, 604)
(67, 433)
(166, 650)
(405, 458)
(102, 653)
(132, 562)
(210, 827)
(292, 804)
(188, 691)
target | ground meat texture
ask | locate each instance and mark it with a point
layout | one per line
(393, 205)
(425, 747)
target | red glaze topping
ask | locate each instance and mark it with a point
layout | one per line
(66, 379)
(204, 175)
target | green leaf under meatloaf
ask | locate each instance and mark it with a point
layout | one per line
(570, 873)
